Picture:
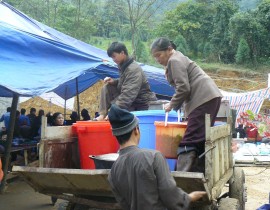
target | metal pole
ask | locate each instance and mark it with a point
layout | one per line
(65, 108)
(78, 100)
(269, 80)
(9, 140)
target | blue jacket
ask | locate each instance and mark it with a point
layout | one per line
(5, 117)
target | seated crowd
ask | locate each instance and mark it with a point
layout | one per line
(29, 126)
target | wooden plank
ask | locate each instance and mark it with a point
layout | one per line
(216, 162)
(58, 132)
(94, 182)
(43, 127)
(217, 188)
(41, 153)
(54, 132)
(226, 154)
(73, 181)
(230, 154)
(221, 157)
(219, 132)
(209, 156)
(192, 181)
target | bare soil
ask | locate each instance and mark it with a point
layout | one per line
(228, 80)
(258, 186)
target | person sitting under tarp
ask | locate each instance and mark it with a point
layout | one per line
(6, 117)
(85, 115)
(131, 91)
(240, 129)
(57, 119)
(24, 124)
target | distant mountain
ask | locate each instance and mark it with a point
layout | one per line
(248, 4)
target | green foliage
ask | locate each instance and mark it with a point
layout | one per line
(219, 37)
(206, 50)
(141, 54)
(248, 26)
(190, 19)
(243, 52)
(181, 44)
(209, 30)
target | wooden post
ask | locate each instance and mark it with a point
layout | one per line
(209, 156)
(78, 100)
(9, 140)
(65, 108)
(41, 143)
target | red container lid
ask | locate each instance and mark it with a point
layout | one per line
(91, 126)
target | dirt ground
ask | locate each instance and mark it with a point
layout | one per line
(258, 186)
(20, 196)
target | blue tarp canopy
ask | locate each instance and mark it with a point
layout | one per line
(35, 59)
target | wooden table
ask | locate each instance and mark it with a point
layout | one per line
(23, 148)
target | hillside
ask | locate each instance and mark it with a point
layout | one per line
(228, 80)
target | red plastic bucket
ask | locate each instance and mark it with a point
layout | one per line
(251, 133)
(94, 138)
(168, 137)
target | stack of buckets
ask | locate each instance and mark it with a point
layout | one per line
(94, 138)
(155, 135)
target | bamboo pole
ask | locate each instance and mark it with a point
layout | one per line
(78, 101)
(9, 140)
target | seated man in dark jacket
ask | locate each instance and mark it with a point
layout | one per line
(131, 91)
(140, 178)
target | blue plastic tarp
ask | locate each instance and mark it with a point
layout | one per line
(35, 58)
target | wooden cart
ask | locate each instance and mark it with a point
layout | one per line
(91, 188)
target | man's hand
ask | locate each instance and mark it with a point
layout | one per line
(196, 195)
(167, 107)
(108, 80)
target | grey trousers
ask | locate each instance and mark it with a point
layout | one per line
(190, 162)
(108, 95)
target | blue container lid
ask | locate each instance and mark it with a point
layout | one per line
(159, 113)
(149, 116)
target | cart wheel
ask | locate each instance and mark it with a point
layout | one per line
(53, 199)
(70, 206)
(229, 203)
(237, 188)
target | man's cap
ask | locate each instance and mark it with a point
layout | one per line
(122, 121)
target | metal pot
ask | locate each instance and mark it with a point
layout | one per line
(104, 161)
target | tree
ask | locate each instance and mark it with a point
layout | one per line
(248, 26)
(243, 52)
(220, 39)
(190, 19)
(141, 53)
(263, 14)
(181, 44)
(140, 13)
(206, 50)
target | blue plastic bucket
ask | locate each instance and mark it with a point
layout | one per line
(147, 126)
(172, 164)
